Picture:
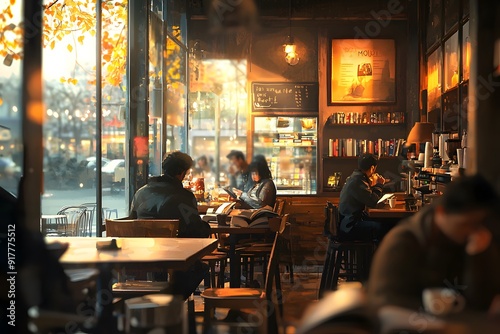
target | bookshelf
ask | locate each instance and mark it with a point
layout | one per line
(359, 135)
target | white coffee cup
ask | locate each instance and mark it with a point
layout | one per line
(442, 301)
(392, 202)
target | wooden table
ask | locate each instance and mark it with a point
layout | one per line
(172, 253)
(386, 212)
(234, 259)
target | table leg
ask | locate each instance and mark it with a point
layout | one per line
(104, 303)
(44, 226)
(234, 265)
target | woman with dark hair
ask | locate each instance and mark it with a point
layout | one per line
(263, 192)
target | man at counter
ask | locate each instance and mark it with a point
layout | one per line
(452, 243)
(164, 197)
(240, 178)
(363, 188)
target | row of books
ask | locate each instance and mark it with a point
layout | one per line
(351, 147)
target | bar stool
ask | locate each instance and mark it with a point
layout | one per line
(354, 256)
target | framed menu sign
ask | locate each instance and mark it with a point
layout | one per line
(362, 71)
(285, 96)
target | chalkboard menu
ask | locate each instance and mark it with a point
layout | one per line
(291, 96)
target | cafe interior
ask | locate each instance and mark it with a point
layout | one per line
(127, 82)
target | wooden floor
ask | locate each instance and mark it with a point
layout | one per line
(296, 297)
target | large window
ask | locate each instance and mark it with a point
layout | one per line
(70, 95)
(167, 81)
(11, 153)
(217, 115)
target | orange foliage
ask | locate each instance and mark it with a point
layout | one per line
(77, 18)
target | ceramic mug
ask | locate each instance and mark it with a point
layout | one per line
(442, 301)
(222, 219)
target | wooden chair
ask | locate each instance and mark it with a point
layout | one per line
(354, 256)
(120, 228)
(260, 250)
(159, 228)
(154, 228)
(263, 300)
(279, 206)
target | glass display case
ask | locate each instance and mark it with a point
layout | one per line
(289, 145)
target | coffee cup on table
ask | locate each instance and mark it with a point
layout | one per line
(222, 219)
(392, 202)
(442, 301)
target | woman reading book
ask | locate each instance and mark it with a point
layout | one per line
(264, 190)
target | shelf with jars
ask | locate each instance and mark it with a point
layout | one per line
(366, 118)
(289, 146)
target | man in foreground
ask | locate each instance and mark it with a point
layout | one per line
(164, 197)
(452, 243)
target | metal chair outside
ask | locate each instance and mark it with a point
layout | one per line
(78, 223)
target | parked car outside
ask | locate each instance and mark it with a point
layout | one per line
(113, 174)
(87, 171)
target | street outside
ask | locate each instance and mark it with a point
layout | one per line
(54, 200)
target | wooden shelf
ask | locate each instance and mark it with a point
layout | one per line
(351, 158)
(332, 189)
(362, 124)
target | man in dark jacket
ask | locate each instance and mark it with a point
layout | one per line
(164, 197)
(362, 189)
(452, 243)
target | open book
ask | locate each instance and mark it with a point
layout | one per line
(225, 208)
(252, 217)
(384, 197)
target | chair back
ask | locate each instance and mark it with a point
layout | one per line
(120, 228)
(279, 206)
(154, 228)
(332, 221)
(273, 274)
(78, 223)
(159, 228)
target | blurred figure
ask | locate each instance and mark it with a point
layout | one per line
(264, 190)
(239, 172)
(451, 243)
(202, 168)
